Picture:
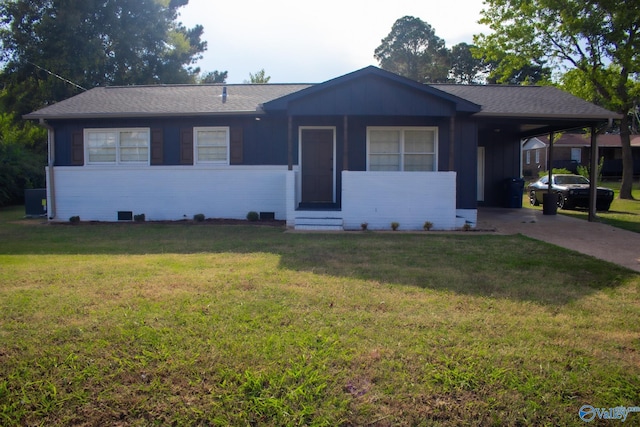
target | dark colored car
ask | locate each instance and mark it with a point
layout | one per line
(572, 192)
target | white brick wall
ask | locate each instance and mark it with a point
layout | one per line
(409, 198)
(176, 193)
(168, 192)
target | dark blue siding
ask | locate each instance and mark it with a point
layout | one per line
(266, 141)
(63, 145)
(502, 161)
(466, 163)
(171, 144)
(372, 96)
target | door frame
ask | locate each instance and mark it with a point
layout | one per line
(480, 174)
(301, 166)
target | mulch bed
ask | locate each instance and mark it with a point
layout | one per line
(209, 221)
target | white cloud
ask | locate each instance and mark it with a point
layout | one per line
(303, 41)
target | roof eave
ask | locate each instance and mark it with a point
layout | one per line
(33, 116)
(549, 116)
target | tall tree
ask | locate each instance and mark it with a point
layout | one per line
(520, 73)
(214, 77)
(588, 36)
(46, 44)
(413, 50)
(465, 68)
(259, 77)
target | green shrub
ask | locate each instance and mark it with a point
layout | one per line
(74, 219)
(584, 170)
(395, 225)
(555, 172)
(198, 217)
(23, 156)
(428, 225)
(364, 226)
(139, 218)
(253, 216)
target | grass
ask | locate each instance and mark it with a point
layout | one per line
(148, 324)
(623, 214)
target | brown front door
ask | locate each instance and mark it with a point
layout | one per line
(317, 165)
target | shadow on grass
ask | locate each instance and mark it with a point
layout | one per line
(485, 265)
(632, 214)
(619, 219)
(503, 267)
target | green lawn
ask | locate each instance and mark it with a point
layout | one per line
(185, 324)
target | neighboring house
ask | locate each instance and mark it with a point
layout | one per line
(573, 149)
(534, 156)
(369, 146)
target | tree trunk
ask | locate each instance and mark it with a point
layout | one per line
(627, 159)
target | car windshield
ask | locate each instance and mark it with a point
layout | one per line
(570, 179)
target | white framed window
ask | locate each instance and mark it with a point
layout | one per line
(576, 154)
(537, 157)
(117, 146)
(402, 149)
(528, 156)
(211, 145)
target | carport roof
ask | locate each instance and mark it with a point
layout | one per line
(584, 140)
(539, 102)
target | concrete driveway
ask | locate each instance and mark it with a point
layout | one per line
(598, 240)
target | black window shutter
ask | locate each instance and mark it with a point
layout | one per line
(235, 146)
(77, 149)
(157, 147)
(186, 146)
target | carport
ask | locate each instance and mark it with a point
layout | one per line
(510, 114)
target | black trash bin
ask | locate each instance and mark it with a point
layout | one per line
(549, 203)
(514, 188)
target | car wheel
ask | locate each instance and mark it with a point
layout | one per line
(561, 201)
(532, 198)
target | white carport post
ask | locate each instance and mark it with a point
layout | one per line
(549, 199)
(593, 175)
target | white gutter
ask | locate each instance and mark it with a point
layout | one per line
(51, 188)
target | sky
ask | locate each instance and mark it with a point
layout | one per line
(303, 41)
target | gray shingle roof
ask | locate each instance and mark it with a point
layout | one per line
(165, 100)
(192, 100)
(526, 101)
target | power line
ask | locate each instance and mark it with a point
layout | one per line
(57, 76)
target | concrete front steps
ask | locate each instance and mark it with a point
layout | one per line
(318, 221)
